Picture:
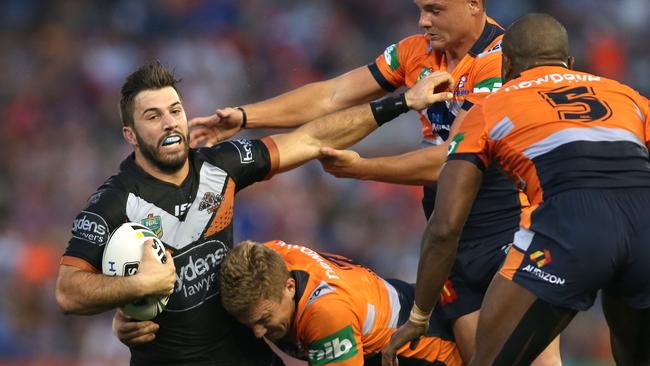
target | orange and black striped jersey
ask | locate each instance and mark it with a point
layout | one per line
(344, 311)
(554, 129)
(413, 58)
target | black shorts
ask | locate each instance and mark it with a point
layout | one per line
(582, 241)
(476, 263)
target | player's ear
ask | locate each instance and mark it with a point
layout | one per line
(506, 68)
(290, 286)
(569, 62)
(129, 135)
(475, 6)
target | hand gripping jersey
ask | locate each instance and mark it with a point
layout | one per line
(195, 220)
(403, 64)
(344, 312)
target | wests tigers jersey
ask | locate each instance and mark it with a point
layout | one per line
(195, 220)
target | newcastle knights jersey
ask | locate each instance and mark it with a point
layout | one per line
(195, 220)
(496, 208)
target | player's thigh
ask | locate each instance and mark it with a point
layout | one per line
(629, 331)
(465, 334)
(515, 326)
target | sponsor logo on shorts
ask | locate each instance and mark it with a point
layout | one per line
(90, 227)
(154, 223)
(541, 258)
(337, 347)
(390, 55)
(245, 148)
(448, 293)
(545, 276)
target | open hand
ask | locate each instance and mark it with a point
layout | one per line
(210, 130)
(341, 163)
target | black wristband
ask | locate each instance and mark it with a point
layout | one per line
(388, 108)
(244, 118)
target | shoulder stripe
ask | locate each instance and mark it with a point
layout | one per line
(394, 305)
(501, 129)
(380, 79)
(490, 33)
(369, 323)
(593, 134)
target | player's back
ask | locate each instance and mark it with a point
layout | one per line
(346, 313)
(352, 286)
(556, 129)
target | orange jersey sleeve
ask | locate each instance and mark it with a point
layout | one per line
(471, 142)
(393, 64)
(331, 332)
(644, 110)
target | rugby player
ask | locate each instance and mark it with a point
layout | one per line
(460, 38)
(577, 144)
(324, 308)
(186, 196)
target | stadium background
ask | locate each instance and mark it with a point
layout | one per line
(63, 62)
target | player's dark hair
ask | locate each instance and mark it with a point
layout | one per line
(151, 76)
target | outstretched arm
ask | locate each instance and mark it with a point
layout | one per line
(342, 129)
(418, 167)
(290, 109)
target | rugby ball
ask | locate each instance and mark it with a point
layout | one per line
(122, 256)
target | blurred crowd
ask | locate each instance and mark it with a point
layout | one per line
(63, 62)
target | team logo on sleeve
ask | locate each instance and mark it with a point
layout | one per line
(245, 148)
(337, 347)
(390, 55)
(488, 85)
(454, 143)
(90, 227)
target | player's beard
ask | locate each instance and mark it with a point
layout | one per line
(166, 164)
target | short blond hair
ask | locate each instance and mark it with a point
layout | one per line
(251, 272)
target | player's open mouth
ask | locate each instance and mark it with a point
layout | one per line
(171, 140)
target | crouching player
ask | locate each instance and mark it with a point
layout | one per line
(324, 308)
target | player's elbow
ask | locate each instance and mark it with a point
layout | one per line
(65, 302)
(442, 236)
(68, 301)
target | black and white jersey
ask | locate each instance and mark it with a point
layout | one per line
(195, 220)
